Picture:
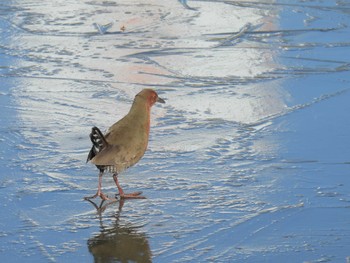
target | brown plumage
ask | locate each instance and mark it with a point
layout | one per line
(124, 143)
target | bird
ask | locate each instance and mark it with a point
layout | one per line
(124, 143)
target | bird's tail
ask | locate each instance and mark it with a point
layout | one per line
(98, 143)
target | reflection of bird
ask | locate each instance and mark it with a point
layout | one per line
(124, 143)
(121, 242)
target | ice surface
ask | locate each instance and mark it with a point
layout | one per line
(248, 159)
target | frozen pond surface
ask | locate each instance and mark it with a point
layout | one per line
(248, 160)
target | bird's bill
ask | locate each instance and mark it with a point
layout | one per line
(160, 100)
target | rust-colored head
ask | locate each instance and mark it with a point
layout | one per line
(150, 96)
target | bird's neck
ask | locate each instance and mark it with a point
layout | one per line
(140, 112)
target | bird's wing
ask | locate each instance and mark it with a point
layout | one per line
(107, 156)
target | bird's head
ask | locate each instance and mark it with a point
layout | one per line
(150, 96)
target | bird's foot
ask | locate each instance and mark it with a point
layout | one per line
(136, 195)
(101, 195)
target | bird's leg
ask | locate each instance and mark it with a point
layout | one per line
(123, 195)
(99, 191)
